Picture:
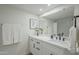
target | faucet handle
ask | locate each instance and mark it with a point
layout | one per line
(63, 39)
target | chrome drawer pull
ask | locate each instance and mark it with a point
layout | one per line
(38, 42)
(33, 45)
(37, 48)
(32, 39)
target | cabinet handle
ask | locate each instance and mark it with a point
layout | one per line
(38, 42)
(32, 39)
(37, 48)
(33, 45)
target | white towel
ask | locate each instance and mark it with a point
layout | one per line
(72, 36)
(16, 33)
(7, 34)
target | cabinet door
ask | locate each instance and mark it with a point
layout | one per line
(53, 49)
(7, 34)
(32, 46)
(38, 47)
(46, 49)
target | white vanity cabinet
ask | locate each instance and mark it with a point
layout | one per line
(39, 47)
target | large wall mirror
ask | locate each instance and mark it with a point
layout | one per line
(61, 22)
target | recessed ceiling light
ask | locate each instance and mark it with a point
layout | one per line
(49, 4)
(41, 9)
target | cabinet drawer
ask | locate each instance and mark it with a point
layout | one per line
(37, 41)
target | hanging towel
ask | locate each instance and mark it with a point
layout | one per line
(16, 33)
(72, 36)
(7, 34)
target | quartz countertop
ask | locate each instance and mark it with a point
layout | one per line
(63, 44)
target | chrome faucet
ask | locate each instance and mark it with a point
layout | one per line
(38, 31)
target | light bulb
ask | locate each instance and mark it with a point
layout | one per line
(40, 9)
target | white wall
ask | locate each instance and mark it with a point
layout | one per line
(9, 14)
(76, 9)
(76, 13)
(12, 15)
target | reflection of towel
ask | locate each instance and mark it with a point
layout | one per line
(16, 33)
(7, 34)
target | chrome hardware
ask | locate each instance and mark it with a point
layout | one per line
(38, 42)
(33, 45)
(37, 48)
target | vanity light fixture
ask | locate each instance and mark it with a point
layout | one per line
(41, 9)
(49, 4)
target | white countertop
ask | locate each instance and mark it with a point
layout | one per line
(63, 44)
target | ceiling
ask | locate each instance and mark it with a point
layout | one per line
(69, 12)
(35, 9)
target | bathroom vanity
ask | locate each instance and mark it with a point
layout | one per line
(40, 45)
